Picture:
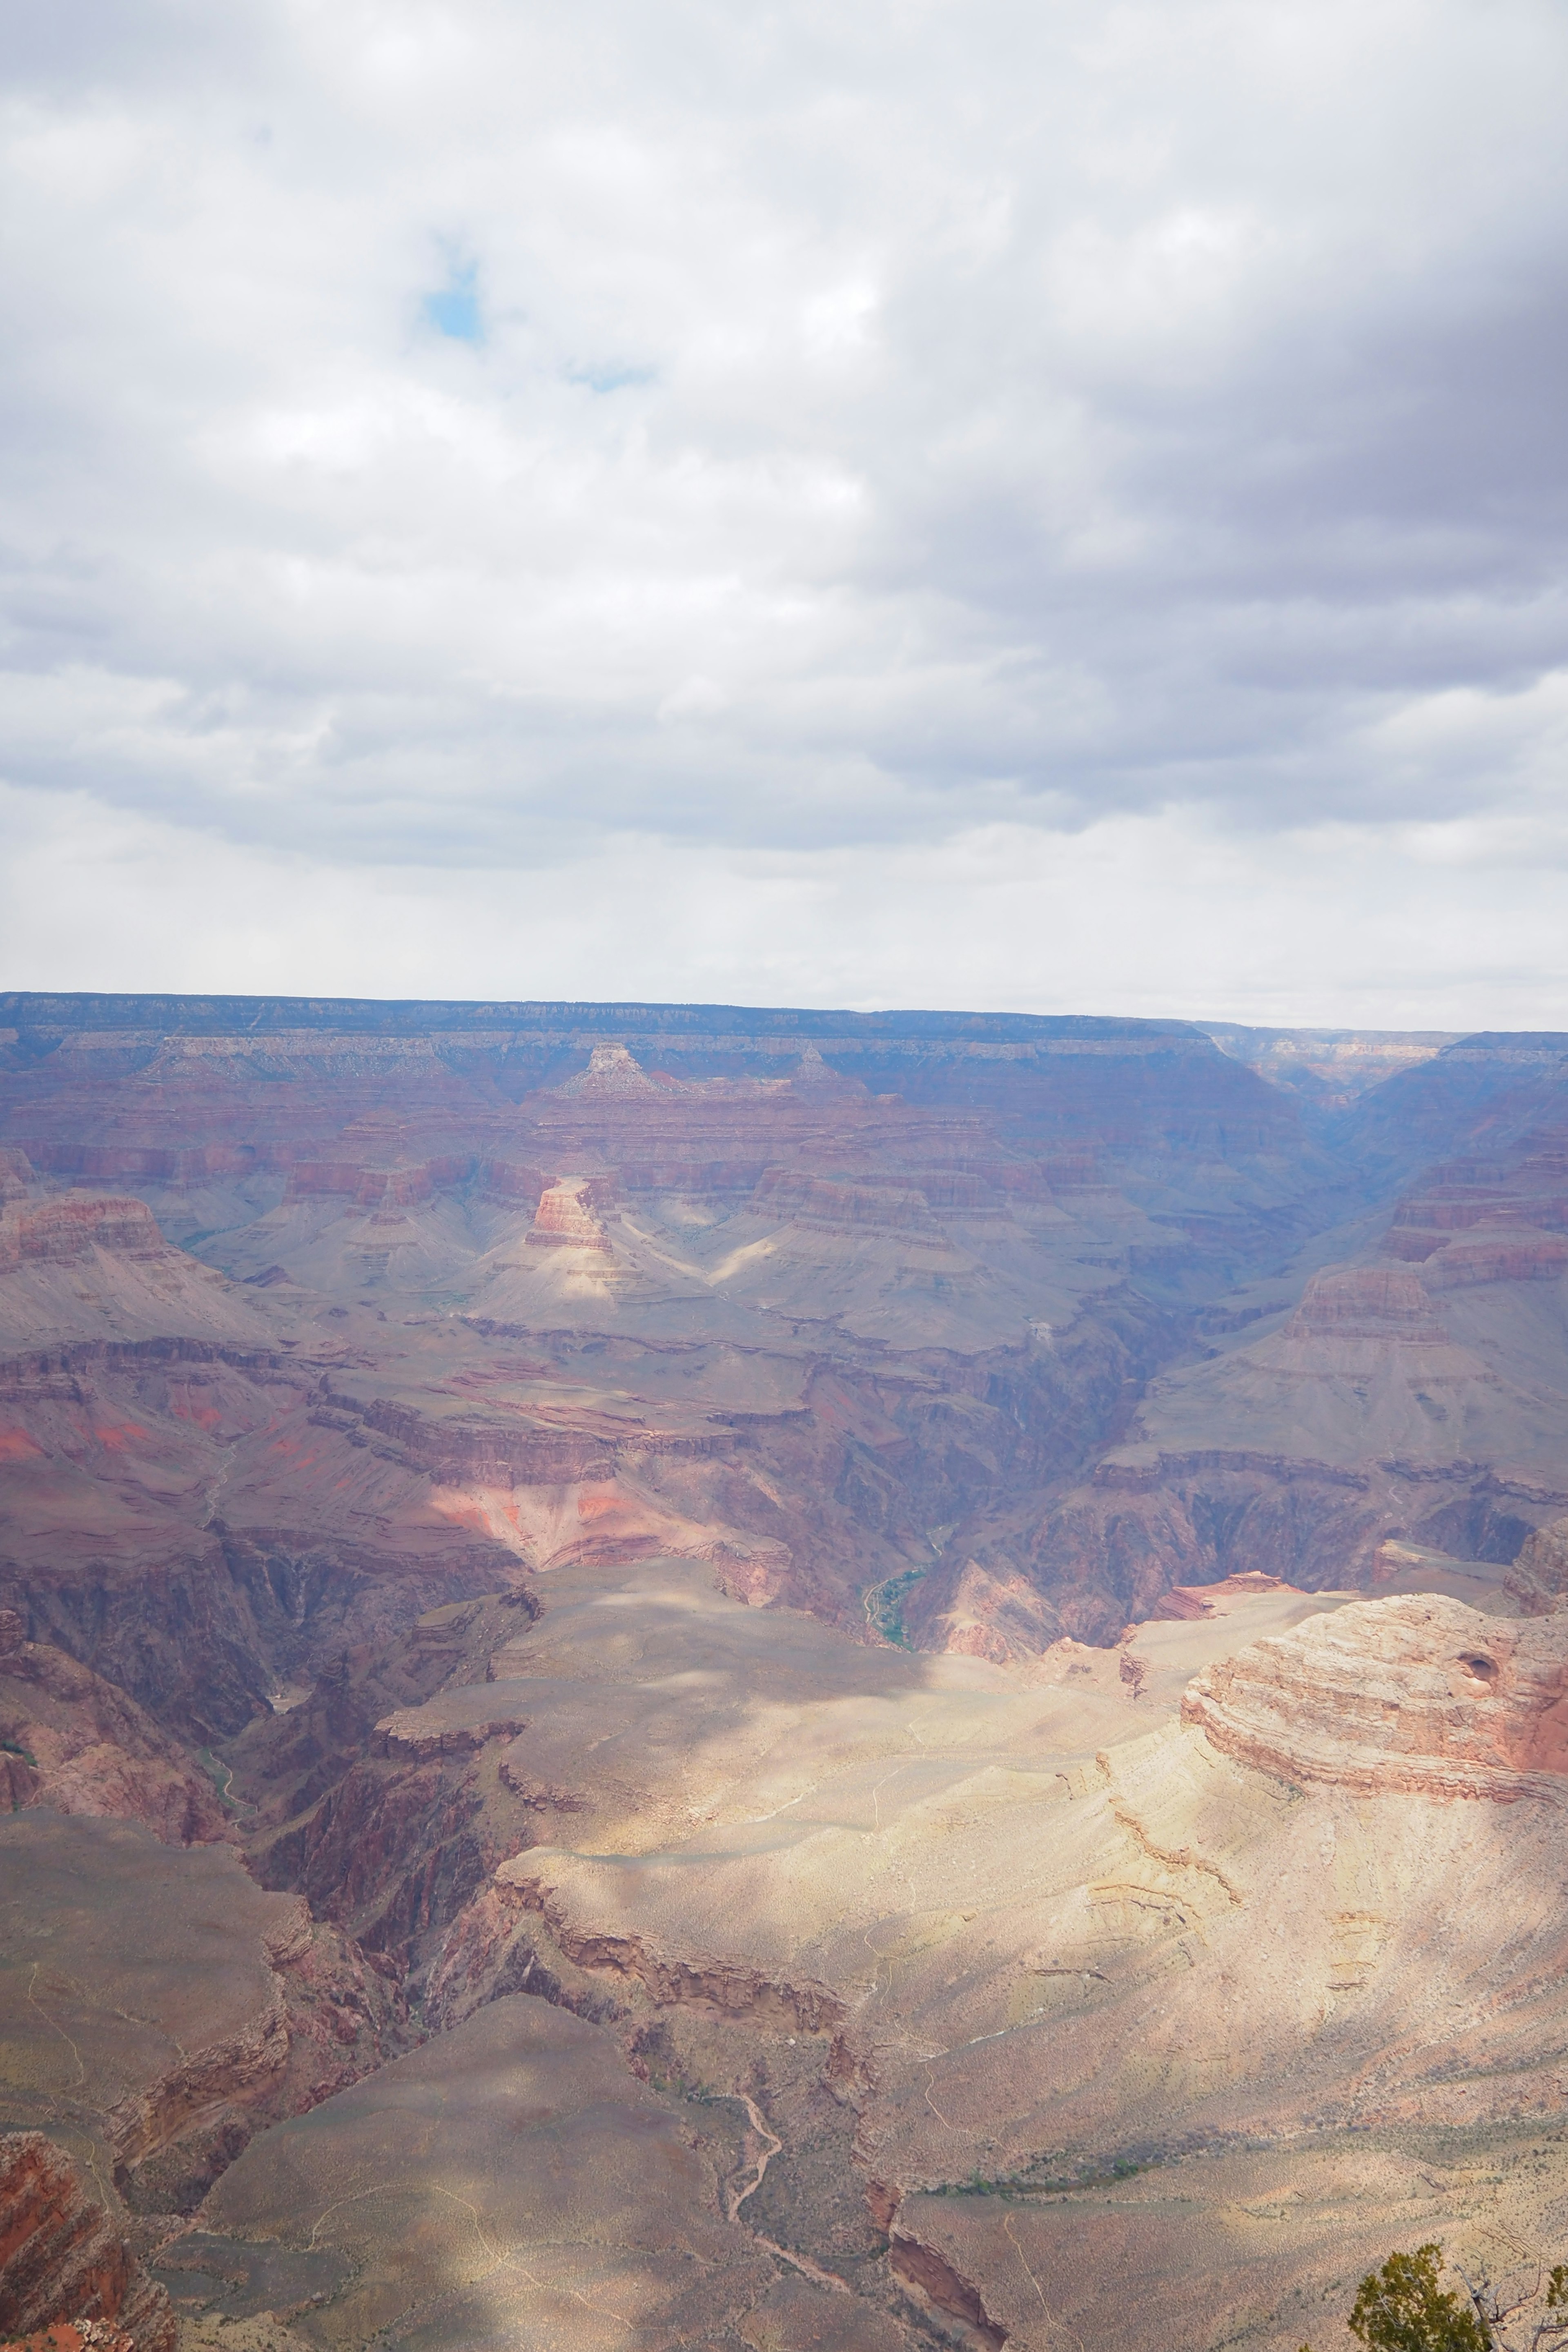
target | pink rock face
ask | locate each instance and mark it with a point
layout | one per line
(1186, 1602)
(563, 1220)
(1417, 1694)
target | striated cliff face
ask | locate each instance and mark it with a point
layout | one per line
(1365, 1302)
(1417, 1694)
(66, 1232)
(564, 1219)
(62, 2261)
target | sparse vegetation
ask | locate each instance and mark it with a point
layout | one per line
(1402, 2307)
(884, 1605)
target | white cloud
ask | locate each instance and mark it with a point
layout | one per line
(1172, 914)
(1125, 433)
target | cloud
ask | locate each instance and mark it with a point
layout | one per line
(458, 441)
(1176, 914)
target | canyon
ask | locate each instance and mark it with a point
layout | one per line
(694, 1676)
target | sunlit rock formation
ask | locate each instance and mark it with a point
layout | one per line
(1415, 1694)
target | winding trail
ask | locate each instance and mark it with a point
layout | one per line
(772, 2145)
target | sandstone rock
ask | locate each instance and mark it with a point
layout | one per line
(1185, 1601)
(1419, 1694)
(1510, 1255)
(61, 2259)
(563, 1220)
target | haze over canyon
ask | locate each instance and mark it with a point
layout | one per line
(692, 1677)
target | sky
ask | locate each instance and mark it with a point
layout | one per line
(1059, 507)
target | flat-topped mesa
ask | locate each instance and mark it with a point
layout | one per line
(564, 1221)
(1416, 1694)
(400, 1185)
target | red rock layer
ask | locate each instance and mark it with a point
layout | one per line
(59, 1232)
(61, 2262)
(563, 1221)
(1502, 1218)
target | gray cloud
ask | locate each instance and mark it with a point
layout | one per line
(863, 428)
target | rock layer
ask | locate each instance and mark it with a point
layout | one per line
(61, 2259)
(1415, 1694)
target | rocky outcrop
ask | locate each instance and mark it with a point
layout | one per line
(400, 1186)
(62, 1232)
(839, 1201)
(505, 1179)
(1365, 1302)
(563, 1221)
(61, 2261)
(1544, 1558)
(334, 2014)
(529, 1450)
(668, 1978)
(418, 1735)
(613, 1075)
(1186, 1602)
(72, 1741)
(1416, 1694)
(1514, 1254)
(935, 2279)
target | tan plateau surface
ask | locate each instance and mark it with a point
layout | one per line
(1000, 1955)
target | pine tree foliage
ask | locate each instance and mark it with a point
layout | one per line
(1401, 2308)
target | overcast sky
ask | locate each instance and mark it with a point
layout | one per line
(1010, 503)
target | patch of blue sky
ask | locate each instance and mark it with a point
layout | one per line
(454, 310)
(611, 378)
